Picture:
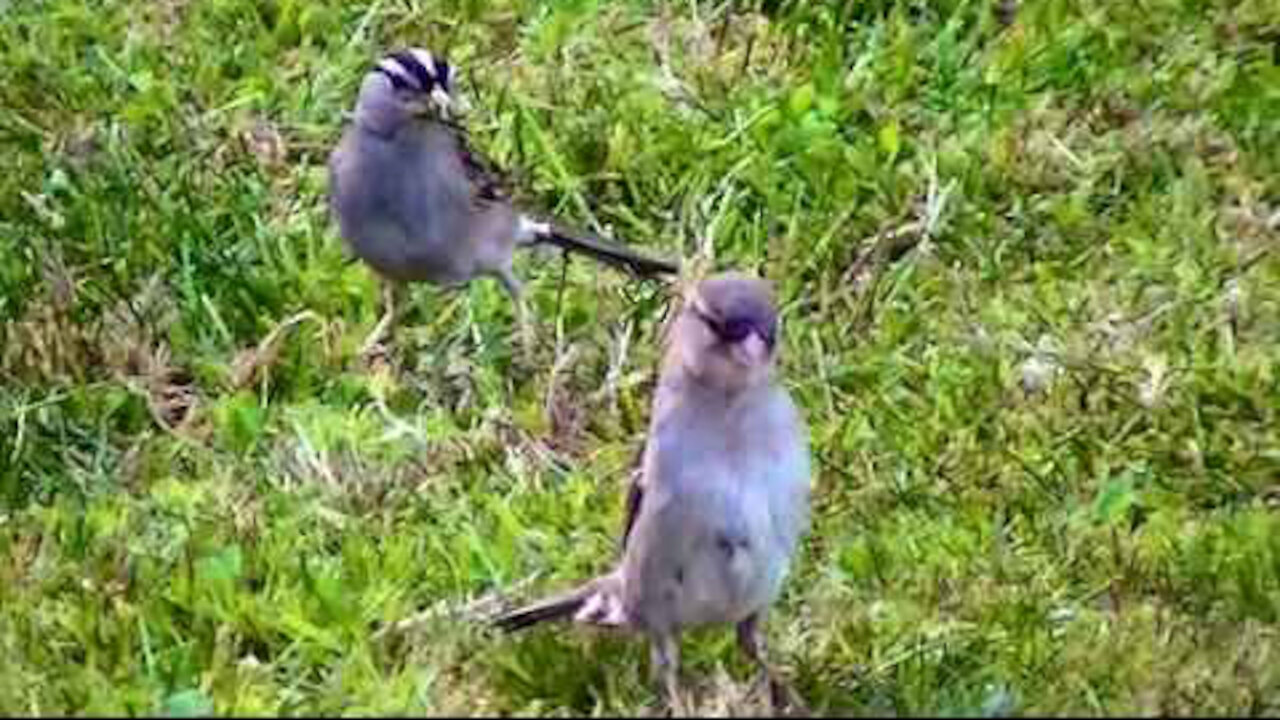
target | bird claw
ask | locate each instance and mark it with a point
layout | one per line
(374, 347)
(375, 356)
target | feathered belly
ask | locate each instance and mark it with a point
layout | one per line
(706, 549)
(414, 260)
(734, 567)
(732, 581)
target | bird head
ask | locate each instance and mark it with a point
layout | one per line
(404, 85)
(726, 335)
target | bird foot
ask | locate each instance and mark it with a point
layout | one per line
(375, 354)
(374, 342)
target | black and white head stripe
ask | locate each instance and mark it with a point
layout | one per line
(416, 69)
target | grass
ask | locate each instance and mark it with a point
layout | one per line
(1027, 258)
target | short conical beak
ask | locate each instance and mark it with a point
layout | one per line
(751, 351)
(448, 105)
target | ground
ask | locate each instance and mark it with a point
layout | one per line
(1027, 260)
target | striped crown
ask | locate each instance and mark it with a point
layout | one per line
(416, 70)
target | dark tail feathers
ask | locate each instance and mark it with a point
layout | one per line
(556, 608)
(608, 252)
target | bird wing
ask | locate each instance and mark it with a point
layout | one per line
(489, 181)
(635, 496)
(489, 184)
(662, 405)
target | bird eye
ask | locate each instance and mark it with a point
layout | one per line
(735, 330)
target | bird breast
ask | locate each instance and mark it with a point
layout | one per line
(713, 479)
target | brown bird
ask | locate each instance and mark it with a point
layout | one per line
(722, 498)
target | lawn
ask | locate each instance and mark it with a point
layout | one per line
(1027, 255)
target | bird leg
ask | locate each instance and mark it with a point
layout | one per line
(751, 641)
(664, 666)
(392, 300)
(512, 286)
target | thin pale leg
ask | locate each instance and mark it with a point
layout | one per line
(751, 641)
(392, 300)
(664, 665)
(512, 286)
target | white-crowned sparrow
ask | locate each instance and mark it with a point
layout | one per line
(416, 203)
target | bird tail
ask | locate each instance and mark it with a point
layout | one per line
(607, 252)
(598, 602)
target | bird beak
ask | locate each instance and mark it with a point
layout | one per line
(751, 351)
(446, 104)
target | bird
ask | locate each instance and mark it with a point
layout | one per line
(416, 202)
(716, 513)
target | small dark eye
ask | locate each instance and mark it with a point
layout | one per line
(735, 330)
